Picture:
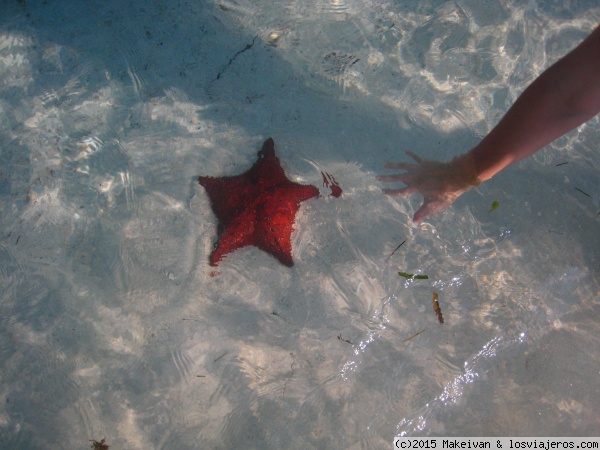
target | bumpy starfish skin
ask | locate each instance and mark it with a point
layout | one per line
(258, 207)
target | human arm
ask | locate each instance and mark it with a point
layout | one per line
(562, 98)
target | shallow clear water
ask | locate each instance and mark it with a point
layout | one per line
(112, 324)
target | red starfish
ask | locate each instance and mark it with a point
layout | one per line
(259, 207)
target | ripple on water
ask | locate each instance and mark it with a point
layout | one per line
(335, 6)
(11, 278)
(183, 363)
(38, 305)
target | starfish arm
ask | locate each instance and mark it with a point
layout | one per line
(277, 216)
(275, 238)
(267, 172)
(239, 233)
(228, 195)
(301, 192)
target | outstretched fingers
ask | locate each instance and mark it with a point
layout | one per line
(399, 165)
(428, 208)
(440, 183)
(431, 206)
(398, 177)
(421, 213)
(414, 156)
(408, 190)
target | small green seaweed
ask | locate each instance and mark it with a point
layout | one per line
(410, 276)
(495, 205)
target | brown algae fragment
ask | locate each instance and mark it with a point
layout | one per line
(436, 307)
(414, 335)
(99, 445)
(396, 249)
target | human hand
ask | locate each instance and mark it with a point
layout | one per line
(440, 183)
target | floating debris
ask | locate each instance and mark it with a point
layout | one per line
(396, 249)
(344, 340)
(495, 205)
(583, 192)
(195, 320)
(411, 276)
(276, 314)
(337, 63)
(232, 59)
(414, 335)
(220, 356)
(273, 38)
(562, 164)
(291, 375)
(436, 307)
(99, 445)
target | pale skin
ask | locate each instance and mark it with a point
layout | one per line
(563, 97)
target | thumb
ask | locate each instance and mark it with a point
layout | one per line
(431, 206)
(422, 212)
